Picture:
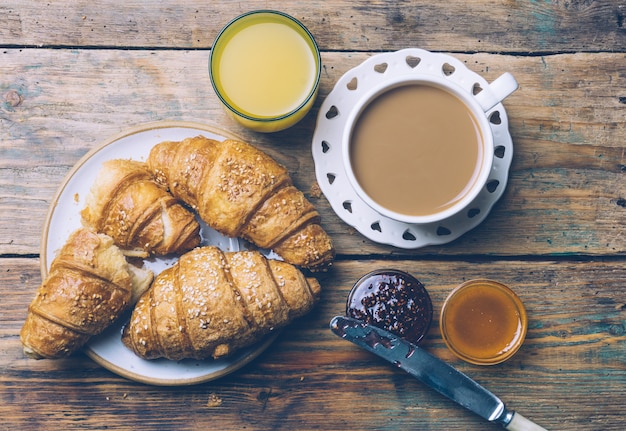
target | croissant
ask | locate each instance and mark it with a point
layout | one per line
(211, 303)
(126, 203)
(240, 191)
(89, 285)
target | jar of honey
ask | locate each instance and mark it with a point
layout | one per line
(483, 322)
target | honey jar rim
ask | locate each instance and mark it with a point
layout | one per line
(516, 341)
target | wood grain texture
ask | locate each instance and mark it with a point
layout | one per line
(454, 25)
(568, 130)
(74, 73)
(569, 374)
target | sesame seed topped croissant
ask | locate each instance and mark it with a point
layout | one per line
(212, 303)
(240, 191)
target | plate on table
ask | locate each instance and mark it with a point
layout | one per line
(64, 218)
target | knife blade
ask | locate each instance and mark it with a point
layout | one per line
(431, 371)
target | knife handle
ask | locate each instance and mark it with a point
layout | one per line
(520, 423)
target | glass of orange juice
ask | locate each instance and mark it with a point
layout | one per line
(265, 67)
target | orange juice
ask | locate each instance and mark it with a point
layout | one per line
(265, 68)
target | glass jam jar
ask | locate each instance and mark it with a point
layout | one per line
(392, 300)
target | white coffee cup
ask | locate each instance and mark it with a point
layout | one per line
(476, 104)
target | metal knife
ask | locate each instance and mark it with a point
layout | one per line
(431, 371)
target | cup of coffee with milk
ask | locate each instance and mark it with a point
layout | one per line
(418, 148)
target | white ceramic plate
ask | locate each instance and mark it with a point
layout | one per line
(329, 162)
(64, 218)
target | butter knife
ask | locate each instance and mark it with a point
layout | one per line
(431, 371)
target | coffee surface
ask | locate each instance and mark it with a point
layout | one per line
(416, 150)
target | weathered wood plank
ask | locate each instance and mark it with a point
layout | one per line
(68, 81)
(569, 374)
(456, 25)
(568, 129)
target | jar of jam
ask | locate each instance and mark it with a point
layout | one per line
(483, 322)
(392, 300)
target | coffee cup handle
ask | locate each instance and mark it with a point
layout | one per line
(497, 91)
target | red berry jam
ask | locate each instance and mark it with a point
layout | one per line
(392, 300)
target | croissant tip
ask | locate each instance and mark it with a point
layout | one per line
(32, 354)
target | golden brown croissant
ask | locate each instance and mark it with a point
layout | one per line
(240, 191)
(126, 203)
(211, 303)
(89, 285)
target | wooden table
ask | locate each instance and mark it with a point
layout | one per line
(73, 73)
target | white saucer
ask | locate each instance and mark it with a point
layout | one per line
(329, 163)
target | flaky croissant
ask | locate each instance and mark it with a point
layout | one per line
(240, 191)
(126, 203)
(211, 303)
(89, 286)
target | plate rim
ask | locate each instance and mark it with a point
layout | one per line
(245, 360)
(243, 357)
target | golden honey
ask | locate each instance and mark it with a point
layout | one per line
(483, 322)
